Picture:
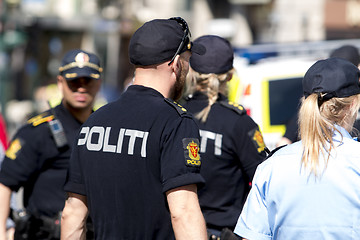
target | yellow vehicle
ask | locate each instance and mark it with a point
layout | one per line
(270, 91)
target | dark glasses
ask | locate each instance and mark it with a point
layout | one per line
(185, 39)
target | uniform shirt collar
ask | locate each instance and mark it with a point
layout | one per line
(343, 132)
(202, 96)
(143, 89)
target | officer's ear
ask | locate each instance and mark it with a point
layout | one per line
(176, 65)
(229, 76)
(60, 81)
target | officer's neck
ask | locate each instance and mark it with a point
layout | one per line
(81, 114)
(158, 77)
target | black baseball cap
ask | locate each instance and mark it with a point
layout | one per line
(79, 63)
(335, 77)
(347, 52)
(219, 56)
(157, 41)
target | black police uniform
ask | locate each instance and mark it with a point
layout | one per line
(34, 161)
(231, 148)
(292, 129)
(129, 153)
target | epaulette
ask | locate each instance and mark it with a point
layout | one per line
(41, 118)
(233, 106)
(180, 109)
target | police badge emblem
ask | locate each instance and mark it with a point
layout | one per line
(82, 58)
(191, 152)
(257, 139)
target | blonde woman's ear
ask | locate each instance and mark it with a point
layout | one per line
(230, 75)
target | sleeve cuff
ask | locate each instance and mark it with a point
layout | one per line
(183, 180)
(248, 234)
(75, 188)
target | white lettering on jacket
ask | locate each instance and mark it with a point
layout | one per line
(97, 138)
(216, 137)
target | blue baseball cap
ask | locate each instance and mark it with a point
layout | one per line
(79, 63)
(335, 77)
(218, 58)
(347, 52)
(158, 40)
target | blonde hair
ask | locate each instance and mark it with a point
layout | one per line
(317, 121)
(208, 83)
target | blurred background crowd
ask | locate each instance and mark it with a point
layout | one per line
(34, 35)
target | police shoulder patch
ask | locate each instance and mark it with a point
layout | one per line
(14, 149)
(41, 118)
(233, 106)
(191, 152)
(180, 109)
(257, 138)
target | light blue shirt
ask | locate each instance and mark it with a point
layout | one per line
(285, 202)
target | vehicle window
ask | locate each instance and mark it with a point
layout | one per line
(284, 99)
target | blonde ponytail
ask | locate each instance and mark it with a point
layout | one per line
(210, 84)
(317, 121)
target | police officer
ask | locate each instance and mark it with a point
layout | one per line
(310, 189)
(136, 163)
(38, 156)
(231, 143)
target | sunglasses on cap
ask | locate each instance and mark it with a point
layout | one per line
(185, 39)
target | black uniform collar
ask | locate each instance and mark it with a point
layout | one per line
(145, 90)
(198, 96)
(221, 97)
(202, 96)
(63, 113)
